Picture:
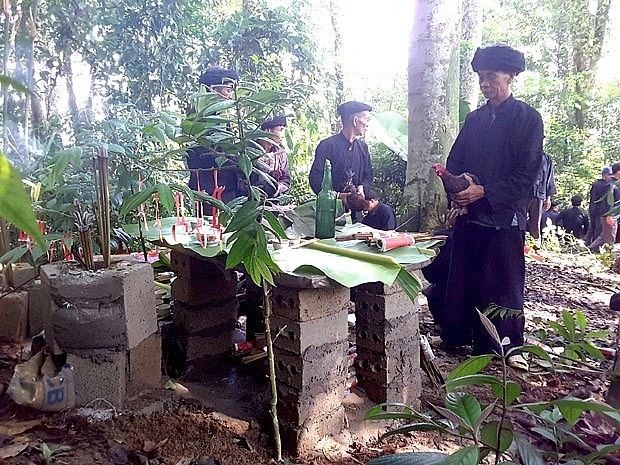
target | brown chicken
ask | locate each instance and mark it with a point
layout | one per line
(451, 183)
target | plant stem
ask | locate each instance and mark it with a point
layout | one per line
(5, 246)
(498, 454)
(272, 370)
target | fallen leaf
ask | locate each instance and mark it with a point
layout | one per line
(150, 446)
(13, 450)
(11, 429)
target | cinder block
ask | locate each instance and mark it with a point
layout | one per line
(374, 307)
(375, 335)
(23, 274)
(295, 407)
(112, 307)
(300, 440)
(318, 369)
(99, 374)
(217, 341)
(308, 304)
(144, 365)
(14, 316)
(188, 265)
(297, 336)
(379, 288)
(39, 311)
(198, 291)
(193, 318)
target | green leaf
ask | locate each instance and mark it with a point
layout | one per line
(14, 255)
(465, 406)
(15, 203)
(490, 432)
(414, 427)
(471, 366)
(569, 323)
(470, 380)
(559, 329)
(115, 148)
(134, 201)
(166, 197)
(62, 160)
(489, 327)
(410, 458)
(545, 433)
(581, 320)
(512, 392)
(244, 217)
(409, 283)
(529, 455)
(274, 224)
(7, 81)
(537, 350)
(466, 456)
(245, 164)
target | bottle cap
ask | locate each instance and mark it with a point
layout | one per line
(327, 162)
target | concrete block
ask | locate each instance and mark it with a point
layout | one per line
(300, 440)
(188, 265)
(39, 311)
(107, 308)
(23, 274)
(198, 291)
(375, 335)
(308, 304)
(100, 374)
(295, 406)
(297, 336)
(374, 307)
(379, 288)
(193, 318)
(217, 341)
(14, 316)
(144, 365)
(318, 369)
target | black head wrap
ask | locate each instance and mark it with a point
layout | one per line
(273, 121)
(352, 107)
(216, 75)
(498, 58)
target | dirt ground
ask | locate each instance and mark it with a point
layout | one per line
(220, 418)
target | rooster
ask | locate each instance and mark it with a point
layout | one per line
(451, 183)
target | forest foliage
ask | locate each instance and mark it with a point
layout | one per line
(120, 73)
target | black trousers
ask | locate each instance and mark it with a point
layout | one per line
(487, 265)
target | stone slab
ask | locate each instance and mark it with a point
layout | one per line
(308, 304)
(14, 316)
(100, 375)
(187, 264)
(297, 336)
(379, 288)
(144, 365)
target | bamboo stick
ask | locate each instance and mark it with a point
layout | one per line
(367, 256)
(5, 245)
(103, 200)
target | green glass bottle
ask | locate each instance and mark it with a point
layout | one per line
(325, 221)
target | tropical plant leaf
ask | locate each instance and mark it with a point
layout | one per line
(166, 197)
(409, 283)
(134, 201)
(485, 414)
(465, 406)
(410, 458)
(471, 366)
(466, 456)
(490, 432)
(15, 203)
(414, 427)
(569, 324)
(7, 81)
(528, 453)
(489, 327)
(378, 411)
(470, 380)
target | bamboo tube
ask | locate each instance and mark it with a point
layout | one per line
(103, 199)
(5, 245)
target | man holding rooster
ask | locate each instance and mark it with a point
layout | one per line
(500, 150)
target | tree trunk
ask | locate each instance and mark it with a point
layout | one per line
(471, 37)
(433, 107)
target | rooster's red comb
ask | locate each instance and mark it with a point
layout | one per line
(439, 169)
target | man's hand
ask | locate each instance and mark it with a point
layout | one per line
(470, 195)
(547, 204)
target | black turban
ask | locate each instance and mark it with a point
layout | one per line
(273, 121)
(498, 58)
(216, 75)
(352, 107)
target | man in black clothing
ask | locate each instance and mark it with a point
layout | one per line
(596, 208)
(500, 143)
(200, 160)
(543, 190)
(347, 153)
(379, 216)
(574, 220)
